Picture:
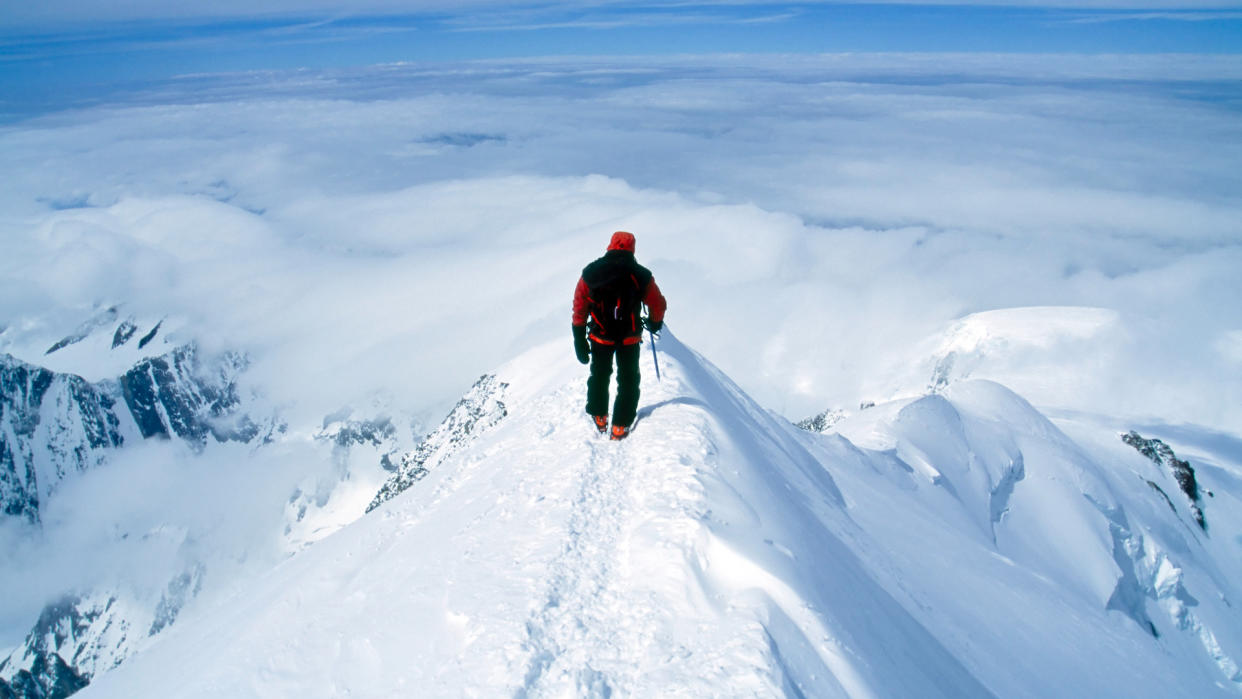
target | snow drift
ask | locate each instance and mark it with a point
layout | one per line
(957, 545)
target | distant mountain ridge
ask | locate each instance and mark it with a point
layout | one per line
(82, 635)
(53, 425)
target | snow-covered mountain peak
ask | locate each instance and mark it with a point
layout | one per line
(1020, 344)
(1039, 326)
(1051, 355)
(967, 547)
(96, 344)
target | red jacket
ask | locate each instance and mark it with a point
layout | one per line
(656, 305)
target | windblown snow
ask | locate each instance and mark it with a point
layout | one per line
(957, 544)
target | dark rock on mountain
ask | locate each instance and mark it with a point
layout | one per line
(49, 678)
(823, 422)
(105, 318)
(1162, 454)
(51, 425)
(478, 411)
(79, 636)
(174, 395)
(346, 433)
(146, 339)
(124, 331)
(46, 674)
(180, 590)
(942, 374)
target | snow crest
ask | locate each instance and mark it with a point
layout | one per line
(957, 545)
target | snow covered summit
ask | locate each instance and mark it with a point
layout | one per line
(952, 545)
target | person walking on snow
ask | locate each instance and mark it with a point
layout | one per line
(606, 324)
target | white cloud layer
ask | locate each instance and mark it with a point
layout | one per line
(810, 218)
(152, 512)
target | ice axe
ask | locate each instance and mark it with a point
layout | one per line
(654, 358)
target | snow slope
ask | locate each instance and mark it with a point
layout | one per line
(957, 545)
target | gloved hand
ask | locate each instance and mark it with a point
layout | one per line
(653, 326)
(581, 347)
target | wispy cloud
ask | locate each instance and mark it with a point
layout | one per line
(544, 19)
(1169, 16)
(139, 37)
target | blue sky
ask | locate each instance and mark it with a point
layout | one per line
(80, 46)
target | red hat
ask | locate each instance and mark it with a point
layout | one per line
(622, 241)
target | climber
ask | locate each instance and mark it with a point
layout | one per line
(607, 323)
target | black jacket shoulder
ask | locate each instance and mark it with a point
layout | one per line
(615, 265)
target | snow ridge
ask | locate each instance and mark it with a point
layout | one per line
(956, 545)
(478, 411)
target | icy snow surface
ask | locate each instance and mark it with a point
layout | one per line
(953, 545)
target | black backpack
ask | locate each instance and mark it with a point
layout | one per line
(616, 290)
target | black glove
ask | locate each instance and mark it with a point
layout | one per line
(581, 347)
(653, 326)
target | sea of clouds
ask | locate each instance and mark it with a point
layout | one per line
(810, 218)
(815, 222)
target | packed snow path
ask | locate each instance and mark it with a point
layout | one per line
(588, 627)
(716, 552)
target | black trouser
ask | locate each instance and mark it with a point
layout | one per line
(601, 378)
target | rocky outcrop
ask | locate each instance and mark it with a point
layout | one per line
(478, 411)
(49, 678)
(51, 425)
(178, 395)
(123, 333)
(80, 636)
(107, 317)
(344, 432)
(823, 422)
(1162, 454)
